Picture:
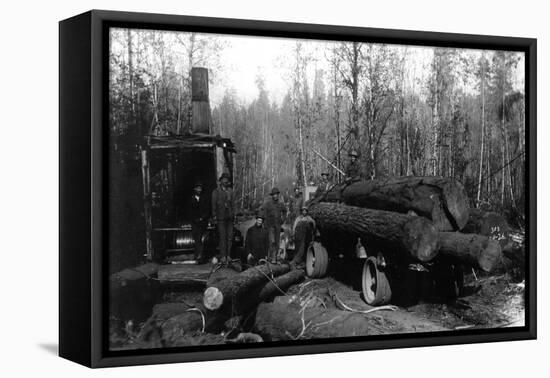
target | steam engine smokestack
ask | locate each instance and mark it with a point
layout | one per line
(200, 102)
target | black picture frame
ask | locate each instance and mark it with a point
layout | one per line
(83, 231)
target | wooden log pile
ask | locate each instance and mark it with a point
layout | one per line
(442, 200)
(234, 293)
(228, 301)
(419, 217)
(415, 236)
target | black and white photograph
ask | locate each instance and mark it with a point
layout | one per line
(266, 189)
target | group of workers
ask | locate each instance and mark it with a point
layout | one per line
(263, 238)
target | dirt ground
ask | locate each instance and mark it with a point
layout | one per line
(492, 302)
(326, 308)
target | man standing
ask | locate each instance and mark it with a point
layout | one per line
(275, 213)
(324, 186)
(353, 170)
(296, 203)
(304, 230)
(198, 214)
(223, 213)
(256, 244)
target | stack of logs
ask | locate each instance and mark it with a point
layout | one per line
(420, 217)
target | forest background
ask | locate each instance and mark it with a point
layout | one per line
(408, 110)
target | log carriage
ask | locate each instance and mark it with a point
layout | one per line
(397, 225)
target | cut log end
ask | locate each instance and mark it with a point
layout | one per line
(456, 202)
(490, 256)
(422, 236)
(213, 298)
(470, 249)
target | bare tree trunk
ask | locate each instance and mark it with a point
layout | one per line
(178, 122)
(355, 88)
(482, 127)
(337, 122)
(131, 78)
(302, 153)
(503, 178)
(509, 168)
(155, 119)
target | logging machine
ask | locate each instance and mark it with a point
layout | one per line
(170, 164)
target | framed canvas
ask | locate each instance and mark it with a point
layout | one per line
(236, 188)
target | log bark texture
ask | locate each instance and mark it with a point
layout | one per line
(184, 273)
(281, 283)
(476, 250)
(230, 295)
(220, 275)
(416, 236)
(442, 200)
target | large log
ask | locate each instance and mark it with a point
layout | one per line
(220, 275)
(288, 318)
(240, 316)
(490, 224)
(414, 235)
(443, 200)
(187, 319)
(184, 273)
(230, 295)
(476, 250)
(127, 276)
(280, 284)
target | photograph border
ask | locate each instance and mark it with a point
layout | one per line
(83, 263)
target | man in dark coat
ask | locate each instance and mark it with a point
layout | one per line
(256, 244)
(198, 213)
(353, 170)
(304, 231)
(275, 213)
(223, 214)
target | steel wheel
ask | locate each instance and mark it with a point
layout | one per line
(316, 260)
(376, 288)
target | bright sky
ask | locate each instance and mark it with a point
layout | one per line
(245, 57)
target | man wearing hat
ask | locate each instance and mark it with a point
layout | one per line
(275, 213)
(353, 170)
(324, 186)
(256, 243)
(304, 230)
(198, 212)
(223, 214)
